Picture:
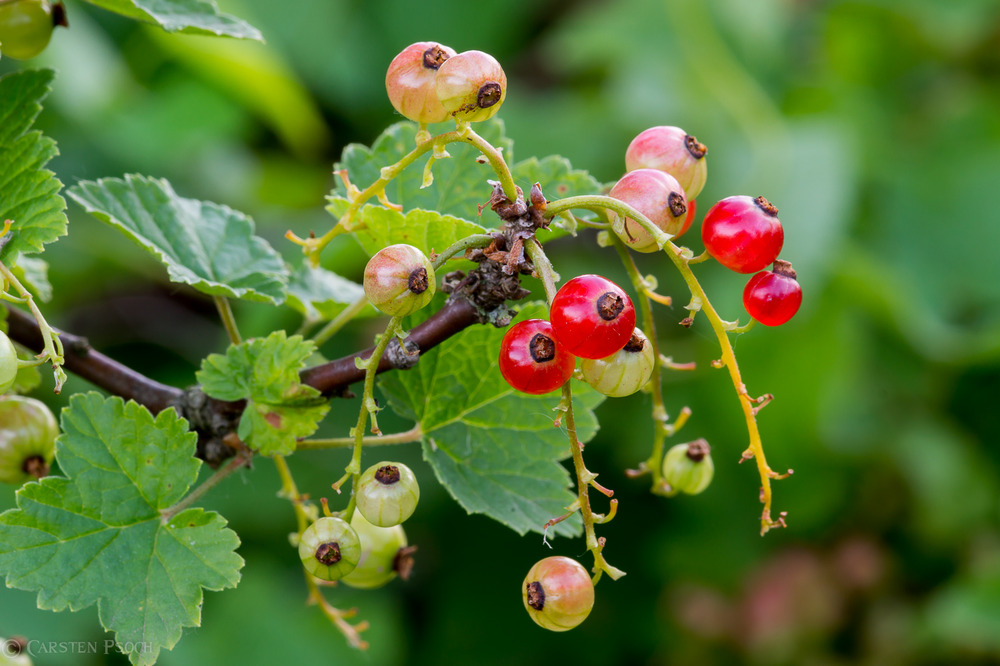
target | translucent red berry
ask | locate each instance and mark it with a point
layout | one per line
(673, 150)
(558, 593)
(387, 493)
(592, 317)
(28, 432)
(531, 360)
(410, 82)
(329, 548)
(773, 297)
(688, 468)
(471, 86)
(624, 372)
(743, 233)
(658, 196)
(399, 279)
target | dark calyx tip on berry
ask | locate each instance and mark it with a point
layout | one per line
(489, 94)
(766, 206)
(387, 475)
(417, 282)
(536, 595)
(328, 554)
(59, 15)
(697, 149)
(434, 57)
(782, 267)
(542, 348)
(402, 564)
(698, 449)
(610, 305)
(35, 466)
(676, 203)
(635, 344)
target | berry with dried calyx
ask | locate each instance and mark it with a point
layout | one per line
(471, 86)
(672, 150)
(28, 432)
(592, 317)
(773, 297)
(329, 548)
(657, 195)
(410, 79)
(399, 279)
(624, 372)
(531, 360)
(387, 493)
(384, 554)
(688, 468)
(743, 233)
(26, 26)
(558, 593)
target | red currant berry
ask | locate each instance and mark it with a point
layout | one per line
(742, 233)
(471, 86)
(8, 363)
(624, 372)
(28, 432)
(688, 468)
(329, 548)
(558, 593)
(658, 196)
(531, 360)
(383, 551)
(399, 280)
(410, 82)
(773, 297)
(592, 317)
(387, 493)
(673, 150)
(26, 27)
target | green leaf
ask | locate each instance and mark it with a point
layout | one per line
(99, 535)
(194, 17)
(30, 192)
(265, 372)
(427, 230)
(559, 180)
(495, 449)
(460, 184)
(203, 244)
(321, 294)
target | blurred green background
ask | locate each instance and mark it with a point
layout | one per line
(873, 126)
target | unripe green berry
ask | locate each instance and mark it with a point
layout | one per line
(329, 548)
(8, 363)
(399, 280)
(383, 551)
(688, 468)
(558, 593)
(624, 372)
(387, 494)
(410, 78)
(28, 432)
(25, 27)
(471, 86)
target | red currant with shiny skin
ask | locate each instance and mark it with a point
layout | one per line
(658, 196)
(532, 361)
(558, 593)
(743, 233)
(672, 150)
(773, 297)
(592, 317)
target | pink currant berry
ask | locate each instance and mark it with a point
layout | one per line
(410, 81)
(592, 317)
(387, 493)
(742, 233)
(399, 280)
(624, 372)
(688, 468)
(384, 554)
(658, 196)
(773, 297)
(471, 86)
(558, 593)
(673, 150)
(329, 548)
(531, 360)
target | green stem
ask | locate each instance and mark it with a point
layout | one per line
(496, 161)
(239, 460)
(228, 320)
(412, 435)
(460, 246)
(52, 350)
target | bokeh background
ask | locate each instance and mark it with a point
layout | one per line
(875, 128)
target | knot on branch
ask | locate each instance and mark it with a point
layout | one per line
(214, 420)
(520, 222)
(488, 288)
(402, 355)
